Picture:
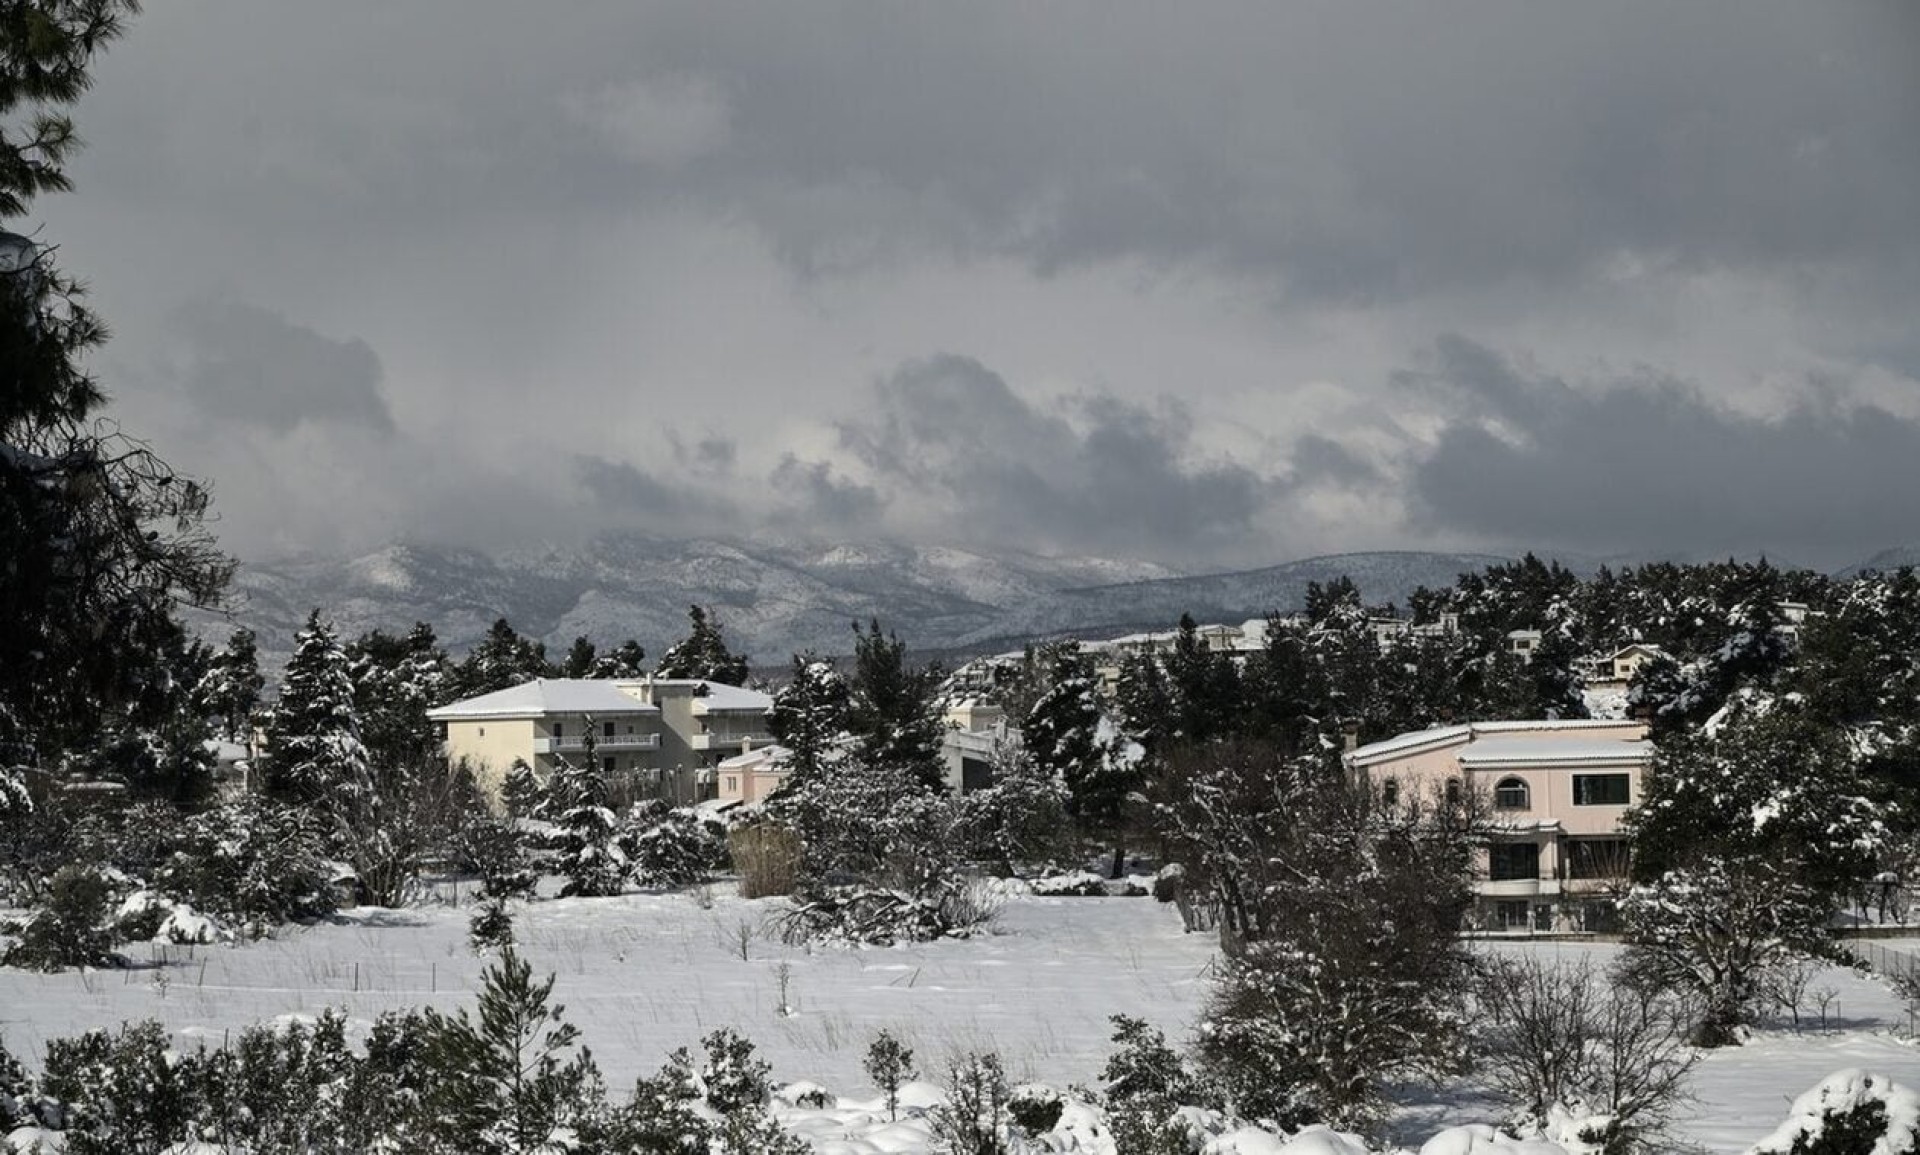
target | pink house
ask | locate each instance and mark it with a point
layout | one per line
(1557, 792)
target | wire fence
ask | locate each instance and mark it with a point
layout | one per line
(1895, 964)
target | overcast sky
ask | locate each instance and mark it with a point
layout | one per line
(1213, 285)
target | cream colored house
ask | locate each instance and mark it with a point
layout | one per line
(654, 737)
(1557, 792)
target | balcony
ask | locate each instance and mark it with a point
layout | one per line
(1518, 887)
(727, 741)
(573, 742)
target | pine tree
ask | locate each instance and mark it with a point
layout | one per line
(103, 540)
(229, 692)
(587, 843)
(892, 714)
(703, 653)
(314, 751)
(396, 680)
(502, 659)
(626, 660)
(580, 658)
(504, 1084)
(809, 715)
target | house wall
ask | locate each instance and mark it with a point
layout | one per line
(490, 746)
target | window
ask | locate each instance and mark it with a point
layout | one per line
(1600, 789)
(606, 764)
(1453, 791)
(1511, 915)
(483, 731)
(606, 729)
(559, 729)
(1390, 792)
(1510, 794)
(1597, 858)
(1513, 862)
(733, 784)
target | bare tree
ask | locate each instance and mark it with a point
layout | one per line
(1574, 1049)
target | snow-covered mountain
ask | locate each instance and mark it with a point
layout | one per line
(776, 599)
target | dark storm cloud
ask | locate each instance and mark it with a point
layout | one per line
(1650, 463)
(1097, 473)
(251, 365)
(636, 498)
(810, 491)
(1358, 151)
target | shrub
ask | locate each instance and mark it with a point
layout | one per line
(889, 1063)
(251, 863)
(879, 917)
(1850, 1112)
(1079, 884)
(973, 1120)
(491, 928)
(674, 847)
(1035, 1110)
(73, 929)
(767, 857)
(735, 1078)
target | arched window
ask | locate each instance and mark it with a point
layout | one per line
(1454, 791)
(1510, 794)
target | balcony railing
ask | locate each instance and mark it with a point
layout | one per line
(579, 742)
(727, 741)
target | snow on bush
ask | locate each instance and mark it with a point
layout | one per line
(1075, 884)
(1850, 1112)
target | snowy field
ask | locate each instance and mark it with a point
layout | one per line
(646, 973)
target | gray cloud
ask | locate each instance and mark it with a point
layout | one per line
(812, 492)
(725, 221)
(253, 366)
(636, 498)
(1650, 463)
(1098, 473)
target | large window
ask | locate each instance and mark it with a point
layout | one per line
(1513, 862)
(1597, 858)
(1600, 789)
(1510, 794)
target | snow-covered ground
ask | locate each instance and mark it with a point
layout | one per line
(646, 973)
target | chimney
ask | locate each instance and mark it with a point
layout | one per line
(1352, 739)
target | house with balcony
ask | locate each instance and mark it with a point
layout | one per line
(1556, 790)
(653, 737)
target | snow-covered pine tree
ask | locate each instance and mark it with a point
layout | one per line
(892, 712)
(229, 692)
(314, 752)
(626, 660)
(503, 658)
(703, 653)
(809, 716)
(587, 838)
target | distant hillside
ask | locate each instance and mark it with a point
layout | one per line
(1884, 561)
(1227, 597)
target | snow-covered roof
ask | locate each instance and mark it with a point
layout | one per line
(720, 696)
(543, 696)
(1502, 750)
(1420, 741)
(769, 757)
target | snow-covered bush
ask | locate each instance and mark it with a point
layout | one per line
(1079, 884)
(495, 851)
(1850, 1112)
(673, 847)
(251, 863)
(73, 929)
(974, 1119)
(880, 917)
